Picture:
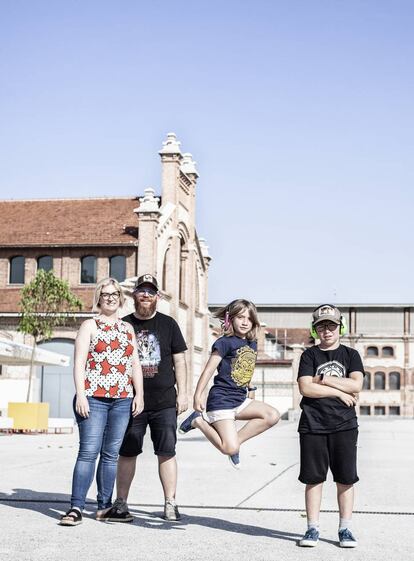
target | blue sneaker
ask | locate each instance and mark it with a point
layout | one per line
(234, 460)
(346, 539)
(186, 424)
(310, 539)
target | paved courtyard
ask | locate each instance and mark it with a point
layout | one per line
(255, 513)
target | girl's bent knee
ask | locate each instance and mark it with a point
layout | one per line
(230, 450)
(197, 422)
(272, 417)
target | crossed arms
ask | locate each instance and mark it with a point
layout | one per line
(346, 389)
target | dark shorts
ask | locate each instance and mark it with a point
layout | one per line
(337, 451)
(163, 429)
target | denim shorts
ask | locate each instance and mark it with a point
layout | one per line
(163, 430)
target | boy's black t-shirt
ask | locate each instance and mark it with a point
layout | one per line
(158, 338)
(328, 414)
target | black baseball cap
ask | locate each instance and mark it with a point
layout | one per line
(146, 279)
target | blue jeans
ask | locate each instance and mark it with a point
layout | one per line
(100, 433)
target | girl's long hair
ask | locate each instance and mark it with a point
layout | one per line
(229, 312)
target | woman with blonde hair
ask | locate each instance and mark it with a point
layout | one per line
(230, 397)
(108, 381)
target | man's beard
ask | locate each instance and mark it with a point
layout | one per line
(145, 311)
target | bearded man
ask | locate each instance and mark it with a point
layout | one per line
(161, 348)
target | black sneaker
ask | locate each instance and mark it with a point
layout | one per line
(117, 513)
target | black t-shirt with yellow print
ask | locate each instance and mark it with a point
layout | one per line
(234, 372)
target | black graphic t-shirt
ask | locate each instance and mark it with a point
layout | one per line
(328, 414)
(158, 339)
(234, 372)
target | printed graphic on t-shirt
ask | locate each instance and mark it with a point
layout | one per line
(242, 366)
(331, 368)
(149, 353)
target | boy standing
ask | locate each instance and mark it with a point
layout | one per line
(330, 376)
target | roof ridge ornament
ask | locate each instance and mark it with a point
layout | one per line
(171, 145)
(148, 203)
(188, 165)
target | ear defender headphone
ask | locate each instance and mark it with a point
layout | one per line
(343, 328)
(226, 322)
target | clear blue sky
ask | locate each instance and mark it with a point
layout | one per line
(300, 115)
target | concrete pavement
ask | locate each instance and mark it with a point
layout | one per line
(255, 513)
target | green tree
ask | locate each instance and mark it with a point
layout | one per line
(47, 302)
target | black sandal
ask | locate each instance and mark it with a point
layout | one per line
(73, 517)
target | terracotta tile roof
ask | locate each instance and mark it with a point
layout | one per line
(10, 298)
(51, 222)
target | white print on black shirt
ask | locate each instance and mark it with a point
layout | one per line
(331, 368)
(149, 353)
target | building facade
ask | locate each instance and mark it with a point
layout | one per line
(85, 240)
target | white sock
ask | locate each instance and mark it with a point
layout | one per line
(345, 523)
(313, 525)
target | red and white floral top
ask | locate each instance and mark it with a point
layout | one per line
(109, 364)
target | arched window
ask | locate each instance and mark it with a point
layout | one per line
(372, 351)
(45, 262)
(379, 381)
(394, 380)
(197, 289)
(367, 381)
(16, 273)
(117, 267)
(88, 269)
(164, 270)
(183, 267)
(387, 351)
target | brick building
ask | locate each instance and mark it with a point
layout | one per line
(84, 240)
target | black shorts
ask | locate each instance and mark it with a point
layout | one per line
(163, 428)
(337, 450)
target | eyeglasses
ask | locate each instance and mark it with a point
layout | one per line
(110, 295)
(329, 326)
(147, 290)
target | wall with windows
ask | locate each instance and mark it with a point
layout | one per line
(381, 353)
(80, 267)
(385, 362)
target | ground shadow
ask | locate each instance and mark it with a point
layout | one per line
(53, 504)
(154, 520)
(48, 504)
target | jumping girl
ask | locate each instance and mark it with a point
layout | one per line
(230, 397)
